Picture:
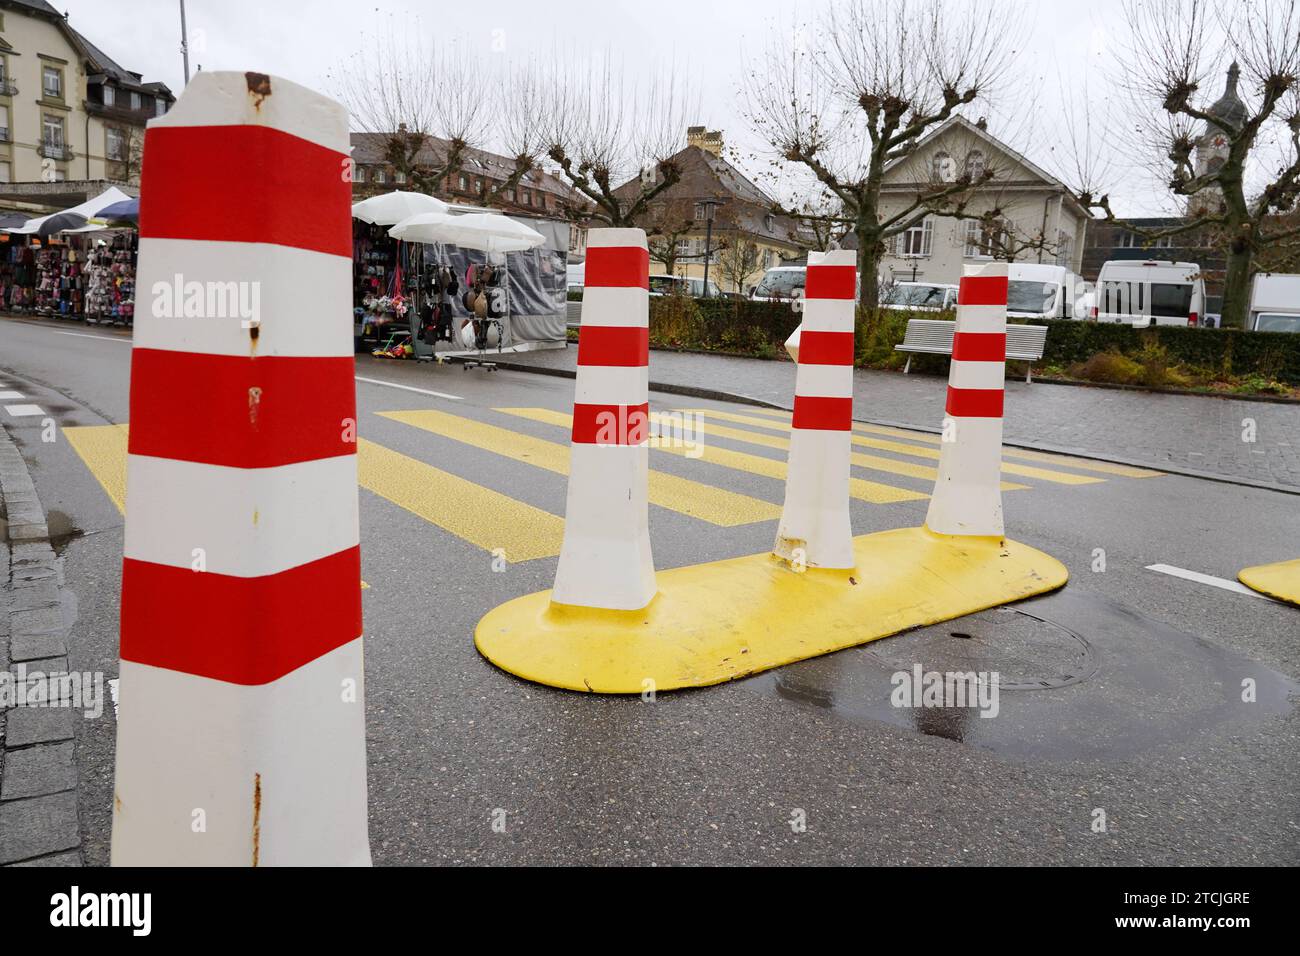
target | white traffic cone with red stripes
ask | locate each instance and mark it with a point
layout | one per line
(967, 497)
(241, 735)
(605, 561)
(815, 531)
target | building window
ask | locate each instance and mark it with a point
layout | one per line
(975, 165)
(478, 184)
(135, 100)
(358, 173)
(52, 82)
(941, 168)
(682, 248)
(114, 144)
(52, 127)
(159, 106)
(462, 182)
(769, 223)
(701, 212)
(1064, 249)
(110, 95)
(985, 240)
(4, 124)
(5, 176)
(380, 176)
(1131, 240)
(526, 197)
(916, 240)
(400, 176)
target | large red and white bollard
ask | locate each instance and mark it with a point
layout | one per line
(967, 496)
(241, 735)
(605, 561)
(815, 530)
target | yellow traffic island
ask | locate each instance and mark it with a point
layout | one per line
(716, 622)
(1280, 580)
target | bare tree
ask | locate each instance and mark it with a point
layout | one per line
(668, 224)
(858, 95)
(604, 129)
(1179, 51)
(737, 260)
(434, 104)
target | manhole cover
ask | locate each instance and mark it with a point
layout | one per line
(1026, 652)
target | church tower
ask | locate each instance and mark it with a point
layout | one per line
(1211, 148)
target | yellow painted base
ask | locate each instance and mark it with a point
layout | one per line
(1281, 580)
(716, 622)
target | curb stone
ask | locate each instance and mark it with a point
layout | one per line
(39, 824)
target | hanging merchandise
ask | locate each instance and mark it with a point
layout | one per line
(110, 280)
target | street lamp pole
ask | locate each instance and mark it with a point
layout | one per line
(709, 206)
(185, 44)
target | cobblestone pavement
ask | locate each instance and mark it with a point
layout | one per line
(1197, 434)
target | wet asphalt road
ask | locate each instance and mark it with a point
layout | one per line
(1136, 709)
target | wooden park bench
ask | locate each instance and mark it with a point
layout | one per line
(1025, 343)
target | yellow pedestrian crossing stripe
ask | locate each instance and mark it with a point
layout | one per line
(692, 498)
(492, 519)
(473, 513)
(103, 449)
(1024, 454)
(468, 510)
(738, 461)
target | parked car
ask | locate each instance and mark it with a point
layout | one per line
(1274, 303)
(920, 296)
(682, 285)
(1154, 292)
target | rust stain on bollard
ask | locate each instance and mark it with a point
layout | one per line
(259, 85)
(254, 403)
(257, 816)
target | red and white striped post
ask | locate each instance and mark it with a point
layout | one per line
(815, 530)
(605, 560)
(241, 736)
(967, 496)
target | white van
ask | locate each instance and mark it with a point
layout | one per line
(920, 296)
(1036, 291)
(1153, 292)
(1274, 303)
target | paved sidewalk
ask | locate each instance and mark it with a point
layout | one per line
(38, 776)
(1205, 435)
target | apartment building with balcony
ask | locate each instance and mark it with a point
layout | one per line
(69, 113)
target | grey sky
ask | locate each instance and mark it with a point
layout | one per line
(302, 41)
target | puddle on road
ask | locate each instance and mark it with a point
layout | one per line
(1080, 677)
(62, 530)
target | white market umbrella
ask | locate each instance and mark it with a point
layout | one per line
(86, 210)
(393, 207)
(478, 230)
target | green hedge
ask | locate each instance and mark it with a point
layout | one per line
(1274, 355)
(723, 325)
(761, 328)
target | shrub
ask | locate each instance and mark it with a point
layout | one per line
(1111, 367)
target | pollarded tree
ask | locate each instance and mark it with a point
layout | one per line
(848, 100)
(1235, 162)
(603, 129)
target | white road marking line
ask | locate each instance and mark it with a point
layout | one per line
(18, 411)
(12, 395)
(1209, 579)
(102, 338)
(409, 388)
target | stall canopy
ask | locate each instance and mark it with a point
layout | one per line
(534, 253)
(393, 207)
(88, 209)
